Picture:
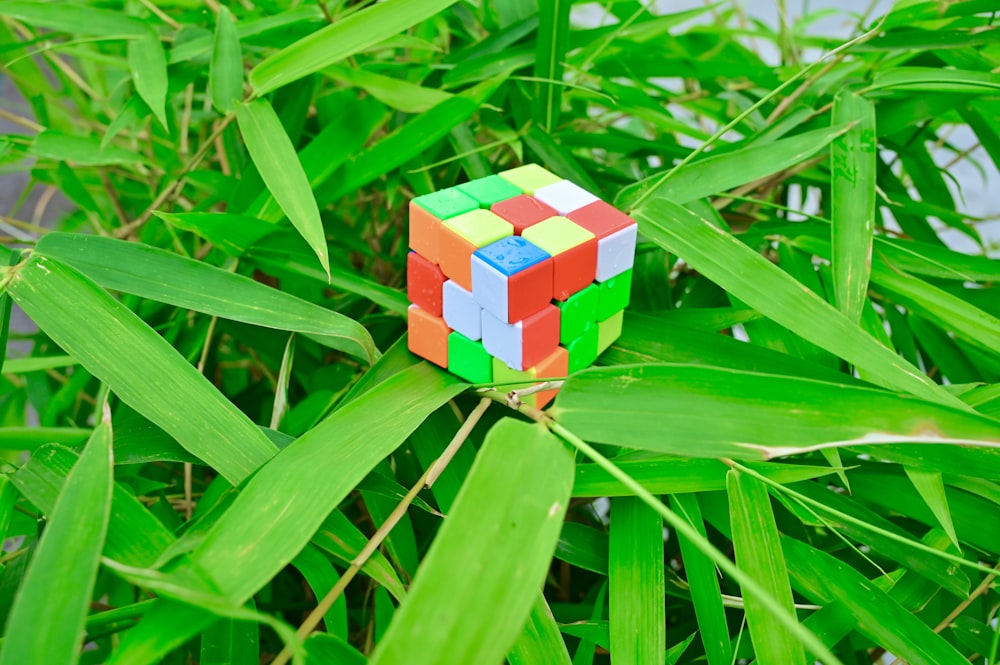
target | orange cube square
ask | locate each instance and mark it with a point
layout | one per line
(428, 336)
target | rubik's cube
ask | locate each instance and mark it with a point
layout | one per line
(517, 277)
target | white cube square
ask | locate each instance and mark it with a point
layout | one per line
(565, 196)
(616, 253)
(461, 311)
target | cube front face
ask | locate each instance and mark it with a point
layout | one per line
(517, 277)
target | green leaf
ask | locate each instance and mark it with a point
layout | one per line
(729, 263)
(930, 485)
(148, 64)
(393, 92)
(230, 642)
(758, 553)
(826, 579)
(540, 642)
(160, 275)
(636, 579)
(75, 19)
(225, 74)
(80, 150)
(57, 587)
(550, 49)
(719, 173)
(852, 160)
(674, 475)
(493, 551)
(703, 578)
(134, 536)
(341, 40)
(285, 502)
(712, 412)
(936, 79)
(126, 354)
(324, 649)
(274, 156)
(29, 438)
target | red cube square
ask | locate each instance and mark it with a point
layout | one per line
(424, 281)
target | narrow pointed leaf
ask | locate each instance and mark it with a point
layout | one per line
(341, 40)
(148, 63)
(930, 485)
(57, 588)
(225, 74)
(636, 583)
(540, 642)
(493, 551)
(825, 579)
(852, 159)
(153, 273)
(550, 49)
(758, 553)
(772, 292)
(274, 156)
(703, 578)
(69, 307)
(709, 411)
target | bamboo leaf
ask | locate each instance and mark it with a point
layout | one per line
(550, 48)
(57, 587)
(930, 485)
(825, 579)
(710, 412)
(540, 642)
(163, 276)
(274, 156)
(636, 581)
(852, 160)
(225, 74)
(758, 553)
(341, 40)
(719, 173)
(69, 307)
(148, 63)
(75, 19)
(492, 551)
(703, 578)
(776, 295)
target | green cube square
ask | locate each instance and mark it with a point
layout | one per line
(489, 190)
(446, 203)
(530, 177)
(469, 359)
(578, 313)
(608, 331)
(614, 295)
(583, 350)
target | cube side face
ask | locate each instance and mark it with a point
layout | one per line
(425, 233)
(583, 350)
(424, 282)
(577, 313)
(614, 295)
(461, 311)
(468, 359)
(608, 331)
(616, 253)
(555, 366)
(427, 336)
(541, 336)
(504, 341)
(529, 290)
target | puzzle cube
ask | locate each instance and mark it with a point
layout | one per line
(517, 277)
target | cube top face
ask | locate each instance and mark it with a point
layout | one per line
(489, 190)
(479, 227)
(523, 211)
(446, 203)
(530, 177)
(517, 277)
(557, 235)
(511, 255)
(601, 219)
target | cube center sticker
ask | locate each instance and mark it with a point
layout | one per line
(517, 277)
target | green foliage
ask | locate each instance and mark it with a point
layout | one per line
(218, 435)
